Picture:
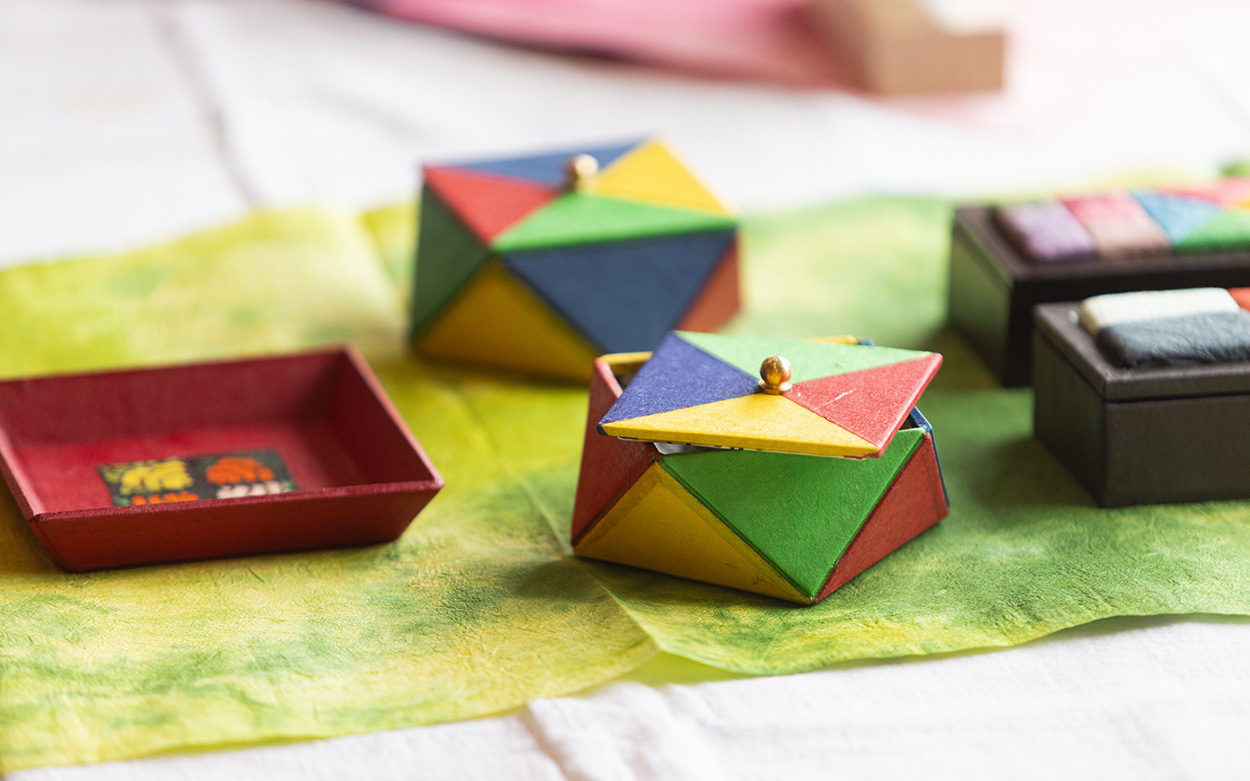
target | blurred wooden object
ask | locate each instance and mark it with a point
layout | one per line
(903, 47)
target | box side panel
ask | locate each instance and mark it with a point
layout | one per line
(609, 465)
(1069, 418)
(658, 525)
(88, 407)
(14, 476)
(979, 301)
(197, 530)
(448, 255)
(914, 503)
(371, 430)
(1178, 450)
(1018, 362)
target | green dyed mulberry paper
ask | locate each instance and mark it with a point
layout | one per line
(479, 606)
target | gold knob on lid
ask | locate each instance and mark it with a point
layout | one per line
(775, 375)
(579, 170)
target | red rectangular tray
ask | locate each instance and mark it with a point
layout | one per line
(360, 475)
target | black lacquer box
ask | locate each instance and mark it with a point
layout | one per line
(1139, 436)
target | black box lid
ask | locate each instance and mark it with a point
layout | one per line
(1057, 323)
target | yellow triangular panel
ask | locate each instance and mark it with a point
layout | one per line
(658, 526)
(496, 319)
(651, 173)
(759, 421)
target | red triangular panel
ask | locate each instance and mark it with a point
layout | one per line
(609, 465)
(1241, 295)
(871, 403)
(719, 300)
(911, 505)
(488, 204)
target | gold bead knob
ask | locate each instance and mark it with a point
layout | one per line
(579, 170)
(775, 375)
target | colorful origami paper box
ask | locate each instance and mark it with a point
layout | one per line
(543, 263)
(691, 467)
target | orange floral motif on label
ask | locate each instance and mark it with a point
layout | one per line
(238, 469)
(233, 475)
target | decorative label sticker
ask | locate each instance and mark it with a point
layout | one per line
(216, 476)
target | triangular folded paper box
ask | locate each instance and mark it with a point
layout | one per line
(523, 263)
(690, 467)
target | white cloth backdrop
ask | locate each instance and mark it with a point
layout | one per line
(132, 121)
(139, 120)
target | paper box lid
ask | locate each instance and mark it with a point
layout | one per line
(706, 390)
(612, 193)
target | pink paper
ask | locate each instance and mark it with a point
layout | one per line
(772, 40)
(1063, 56)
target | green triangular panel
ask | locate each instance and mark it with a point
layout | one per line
(448, 255)
(1228, 231)
(799, 512)
(582, 218)
(809, 360)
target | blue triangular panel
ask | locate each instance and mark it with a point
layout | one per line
(1178, 215)
(548, 168)
(917, 420)
(624, 295)
(677, 376)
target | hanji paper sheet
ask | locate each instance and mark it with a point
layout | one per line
(480, 607)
